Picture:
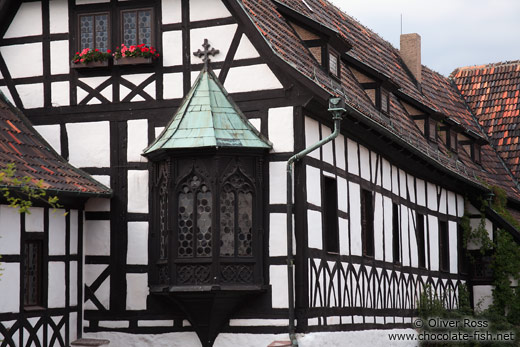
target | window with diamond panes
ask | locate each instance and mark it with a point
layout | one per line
(236, 217)
(94, 31)
(137, 27)
(33, 273)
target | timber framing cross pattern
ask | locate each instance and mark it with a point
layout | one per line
(171, 173)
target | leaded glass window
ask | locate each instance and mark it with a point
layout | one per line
(94, 31)
(236, 217)
(137, 27)
(33, 277)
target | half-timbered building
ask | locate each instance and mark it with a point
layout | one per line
(191, 249)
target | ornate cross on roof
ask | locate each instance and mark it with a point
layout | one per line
(206, 52)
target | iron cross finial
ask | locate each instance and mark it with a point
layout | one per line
(206, 52)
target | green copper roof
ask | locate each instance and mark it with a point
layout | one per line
(207, 117)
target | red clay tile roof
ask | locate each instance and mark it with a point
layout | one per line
(493, 93)
(33, 156)
(435, 93)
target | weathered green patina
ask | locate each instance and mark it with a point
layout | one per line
(208, 117)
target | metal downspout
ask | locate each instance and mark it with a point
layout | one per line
(336, 106)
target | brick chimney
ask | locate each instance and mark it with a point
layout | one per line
(411, 54)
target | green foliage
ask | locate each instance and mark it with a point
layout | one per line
(23, 191)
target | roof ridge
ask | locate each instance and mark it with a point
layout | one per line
(484, 66)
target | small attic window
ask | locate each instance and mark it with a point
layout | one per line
(453, 140)
(385, 101)
(432, 130)
(476, 153)
(333, 63)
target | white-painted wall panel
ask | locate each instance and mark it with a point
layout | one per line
(433, 229)
(251, 78)
(10, 287)
(207, 9)
(328, 155)
(97, 237)
(73, 326)
(56, 293)
(59, 57)
(452, 204)
(352, 157)
(51, 134)
(278, 235)
(313, 185)
(387, 206)
(432, 196)
(342, 194)
(172, 86)
(395, 180)
(411, 187)
(74, 232)
(460, 205)
(137, 291)
(34, 220)
(278, 280)
(443, 201)
(59, 17)
(60, 93)
(245, 49)
(31, 94)
(482, 297)
(405, 242)
(9, 232)
(138, 191)
(314, 227)
(137, 140)
(412, 223)
(375, 168)
(280, 128)
(421, 192)
(172, 51)
(27, 21)
(137, 253)
(364, 162)
(136, 79)
(23, 60)
(453, 240)
(57, 232)
(355, 218)
(339, 143)
(343, 236)
(219, 37)
(171, 11)
(278, 183)
(387, 176)
(378, 227)
(402, 184)
(89, 144)
(312, 136)
(92, 272)
(256, 122)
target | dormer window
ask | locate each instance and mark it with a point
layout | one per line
(385, 100)
(432, 130)
(476, 153)
(452, 140)
(334, 66)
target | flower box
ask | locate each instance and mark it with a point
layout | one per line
(91, 64)
(132, 61)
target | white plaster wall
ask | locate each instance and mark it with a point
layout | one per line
(278, 281)
(421, 195)
(207, 9)
(339, 143)
(73, 232)
(137, 243)
(278, 235)
(395, 179)
(280, 128)
(315, 234)
(9, 232)
(34, 220)
(405, 242)
(412, 222)
(73, 284)
(475, 223)
(245, 49)
(219, 37)
(97, 204)
(328, 155)
(278, 185)
(452, 204)
(60, 92)
(443, 201)
(137, 79)
(138, 191)
(10, 287)
(89, 144)
(343, 236)
(172, 43)
(23, 60)
(342, 194)
(172, 86)
(402, 184)
(137, 139)
(59, 57)
(171, 11)
(460, 205)
(387, 176)
(31, 94)
(364, 161)
(378, 227)
(411, 187)
(452, 233)
(92, 272)
(432, 196)
(137, 291)
(57, 231)
(387, 206)
(433, 228)
(355, 218)
(251, 78)
(313, 185)
(51, 134)
(97, 237)
(256, 122)
(56, 293)
(5, 91)
(27, 21)
(155, 323)
(73, 323)
(482, 297)
(312, 135)
(59, 16)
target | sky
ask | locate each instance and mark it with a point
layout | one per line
(454, 33)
